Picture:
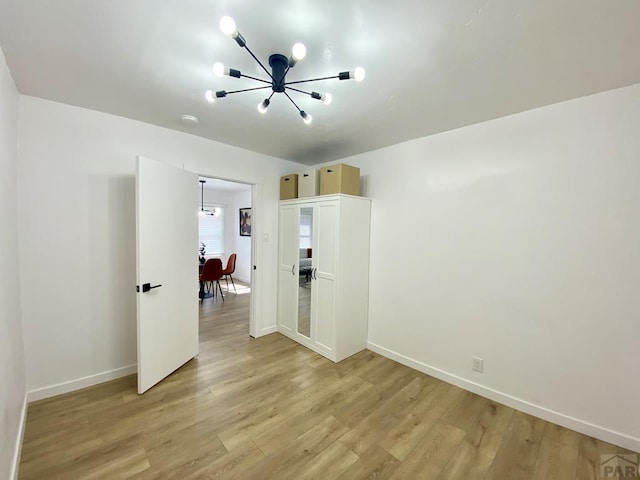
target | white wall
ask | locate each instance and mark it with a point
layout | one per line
(77, 234)
(517, 240)
(242, 244)
(12, 370)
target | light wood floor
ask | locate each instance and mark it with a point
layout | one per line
(269, 408)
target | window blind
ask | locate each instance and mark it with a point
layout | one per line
(211, 230)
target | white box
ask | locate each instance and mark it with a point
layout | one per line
(308, 184)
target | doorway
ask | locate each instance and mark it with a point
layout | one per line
(225, 229)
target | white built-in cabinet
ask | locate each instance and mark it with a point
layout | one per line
(323, 297)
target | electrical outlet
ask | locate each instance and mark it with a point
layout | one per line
(478, 364)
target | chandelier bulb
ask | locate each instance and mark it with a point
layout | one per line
(358, 74)
(262, 107)
(219, 69)
(228, 26)
(298, 51)
(325, 98)
(210, 96)
(306, 117)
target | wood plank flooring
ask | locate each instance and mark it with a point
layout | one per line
(269, 408)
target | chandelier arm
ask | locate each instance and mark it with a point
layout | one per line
(254, 78)
(312, 80)
(259, 62)
(298, 90)
(294, 103)
(247, 90)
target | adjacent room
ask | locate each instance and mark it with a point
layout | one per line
(342, 239)
(224, 230)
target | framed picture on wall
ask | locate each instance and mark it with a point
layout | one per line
(245, 222)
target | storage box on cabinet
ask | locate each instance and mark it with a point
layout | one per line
(289, 187)
(340, 178)
(308, 184)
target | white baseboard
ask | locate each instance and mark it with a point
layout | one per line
(19, 438)
(268, 330)
(71, 385)
(563, 420)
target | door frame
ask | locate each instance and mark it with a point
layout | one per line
(256, 229)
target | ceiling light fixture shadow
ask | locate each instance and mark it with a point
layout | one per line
(280, 66)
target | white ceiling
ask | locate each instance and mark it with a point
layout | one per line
(432, 65)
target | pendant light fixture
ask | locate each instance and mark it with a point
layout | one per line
(203, 212)
(280, 66)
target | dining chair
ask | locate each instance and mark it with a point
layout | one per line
(212, 272)
(227, 272)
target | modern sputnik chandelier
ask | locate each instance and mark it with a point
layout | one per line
(280, 66)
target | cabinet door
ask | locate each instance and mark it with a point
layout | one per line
(323, 290)
(288, 258)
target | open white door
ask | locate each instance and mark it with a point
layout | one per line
(167, 269)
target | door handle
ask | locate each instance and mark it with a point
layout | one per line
(146, 287)
(293, 267)
(315, 270)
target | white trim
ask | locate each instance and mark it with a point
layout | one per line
(71, 385)
(268, 331)
(552, 416)
(257, 253)
(19, 438)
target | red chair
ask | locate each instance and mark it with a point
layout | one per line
(231, 267)
(212, 272)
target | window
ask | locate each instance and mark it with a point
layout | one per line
(306, 221)
(211, 231)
